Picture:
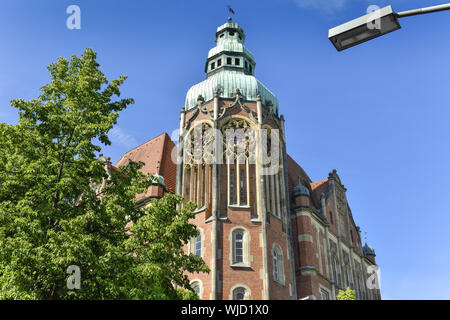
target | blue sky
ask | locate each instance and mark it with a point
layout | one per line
(378, 113)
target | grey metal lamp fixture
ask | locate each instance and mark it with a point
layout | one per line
(373, 25)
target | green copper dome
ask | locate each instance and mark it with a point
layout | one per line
(157, 179)
(368, 250)
(301, 190)
(230, 66)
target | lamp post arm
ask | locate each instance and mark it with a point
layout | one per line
(415, 12)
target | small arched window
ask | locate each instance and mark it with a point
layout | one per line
(239, 254)
(239, 293)
(278, 264)
(197, 288)
(198, 245)
(238, 246)
(276, 272)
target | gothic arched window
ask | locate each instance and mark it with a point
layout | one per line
(197, 160)
(278, 263)
(239, 157)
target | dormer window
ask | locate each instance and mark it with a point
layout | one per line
(229, 61)
(250, 68)
(213, 65)
(237, 61)
(219, 63)
(231, 33)
(246, 65)
(221, 36)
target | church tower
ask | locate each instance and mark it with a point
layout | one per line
(232, 165)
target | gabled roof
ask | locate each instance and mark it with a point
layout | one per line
(156, 156)
(318, 188)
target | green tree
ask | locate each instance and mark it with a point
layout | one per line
(52, 215)
(348, 294)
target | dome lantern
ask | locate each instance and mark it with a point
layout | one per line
(230, 66)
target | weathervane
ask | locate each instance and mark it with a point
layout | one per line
(230, 9)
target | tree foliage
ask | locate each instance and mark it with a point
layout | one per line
(51, 216)
(348, 294)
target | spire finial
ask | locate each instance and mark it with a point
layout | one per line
(231, 11)
(365, 237)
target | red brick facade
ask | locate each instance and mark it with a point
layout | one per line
(264, 236)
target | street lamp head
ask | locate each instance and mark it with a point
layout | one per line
(362, 29)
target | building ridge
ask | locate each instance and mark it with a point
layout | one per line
(142, 144)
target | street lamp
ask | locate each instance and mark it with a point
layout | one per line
(373, 25)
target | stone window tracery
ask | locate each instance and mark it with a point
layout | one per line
(198, 157)
(239, 157)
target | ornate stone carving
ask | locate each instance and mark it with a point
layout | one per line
(198, 146)
(341, 201)
(244, 143)
(238, 103)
